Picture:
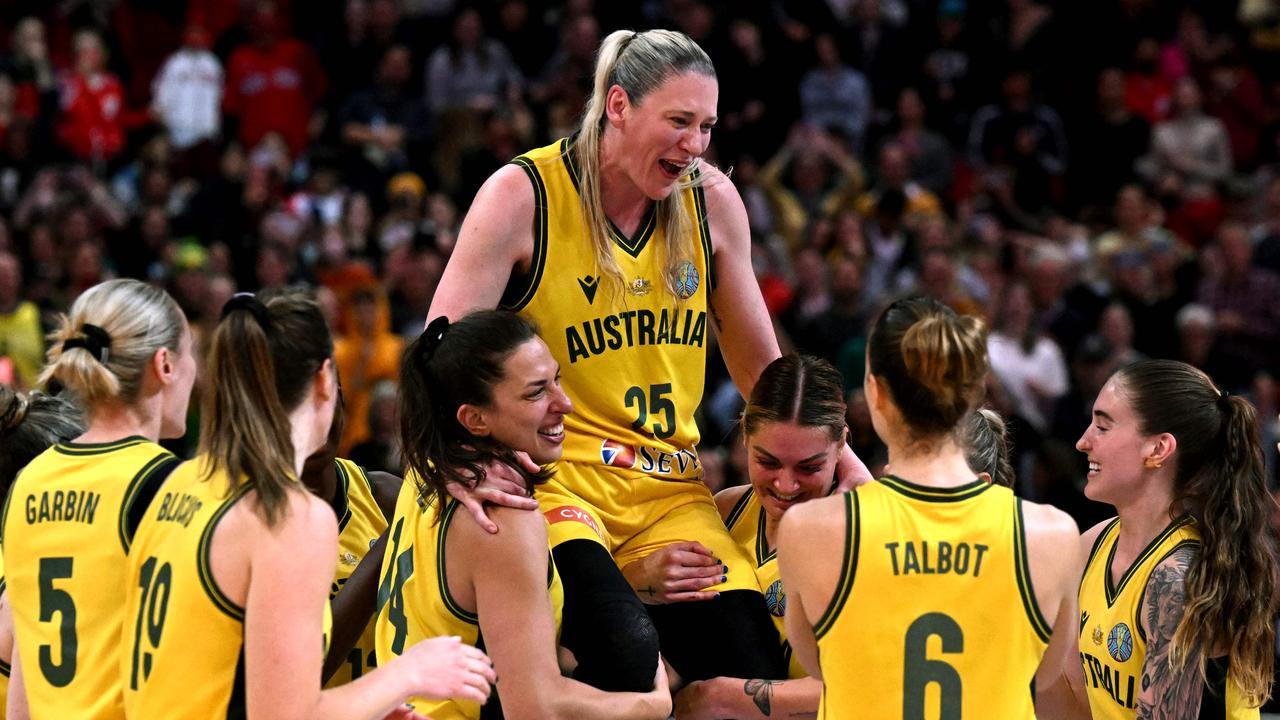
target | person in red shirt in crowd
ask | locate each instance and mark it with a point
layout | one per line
(274, 83)
(92, 100)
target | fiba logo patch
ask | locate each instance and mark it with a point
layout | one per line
(1120, 642)
(616, 454)
(686, 280)
(775, 599)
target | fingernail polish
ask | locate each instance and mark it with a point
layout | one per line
(726, 569)
(723, 578)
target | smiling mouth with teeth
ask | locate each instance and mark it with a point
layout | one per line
(672, 168)
(553, 431)
(784, 498)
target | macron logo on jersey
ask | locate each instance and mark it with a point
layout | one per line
(589, 286)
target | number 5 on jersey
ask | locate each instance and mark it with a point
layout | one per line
(54, 600)
(655, 402)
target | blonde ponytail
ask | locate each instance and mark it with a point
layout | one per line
(638, 62)
(101, 349)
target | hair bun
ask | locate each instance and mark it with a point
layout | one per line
(13, 409)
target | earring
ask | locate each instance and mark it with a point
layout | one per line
(1152, 463)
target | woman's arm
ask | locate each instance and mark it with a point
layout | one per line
(508, 573)
(290, 568)
(724, 697)
(16, 704)
(496, 237)
(1167, 692)
(742, 323)
(1060, 679)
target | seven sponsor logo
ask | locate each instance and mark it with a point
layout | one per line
(616, 454)
(649, 460)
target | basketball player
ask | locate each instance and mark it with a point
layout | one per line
(626, 252)
(363, 502)
(1179, 592)
(793, 425)
(226, 598)
(126, 352)
(940, 603)
(29, 424)
(475, 391)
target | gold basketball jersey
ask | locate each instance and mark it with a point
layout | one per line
(414, 602)
(68, 525)
(632, 361)
(746, 527)
(935, 595)
(4, 666)
(360, 522)
(1113, 643)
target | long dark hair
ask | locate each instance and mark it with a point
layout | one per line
(450, 365)
(264, 356)
(1220, 481)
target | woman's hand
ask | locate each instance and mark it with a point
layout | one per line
(444, 668)
(660, 696)
(678, 572)
(850, 471)
(502, 485)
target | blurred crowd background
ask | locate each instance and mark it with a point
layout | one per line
(1099, 179)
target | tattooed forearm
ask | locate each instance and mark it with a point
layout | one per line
(1168, 693)
(761, 693)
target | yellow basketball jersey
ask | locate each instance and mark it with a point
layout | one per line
(68, 526)
(4, 666)
(1113, 643)
(934, 595)
(360, 522)
(632, 362)
(746, 527)
(414, 602)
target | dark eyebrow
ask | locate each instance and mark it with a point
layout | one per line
(811, 458)
(1102, 415)
(536, 384)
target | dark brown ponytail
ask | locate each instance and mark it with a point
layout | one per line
(1221, 482)
(261, 361)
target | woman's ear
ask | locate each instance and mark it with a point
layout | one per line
(326, 381)
(616, 106)
(164, 363)
(472, 420)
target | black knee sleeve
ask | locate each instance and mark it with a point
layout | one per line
(730, 636)
(605, 625)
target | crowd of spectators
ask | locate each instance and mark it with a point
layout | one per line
(1097, 179)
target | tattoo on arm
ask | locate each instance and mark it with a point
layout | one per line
(1168, 693)
(650, 591)
(761, 693)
